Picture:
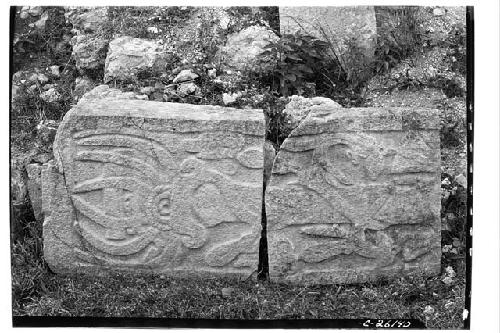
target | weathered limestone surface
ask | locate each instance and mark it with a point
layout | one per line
(243, 48)
(162, 187)
(354, 195)
(334, 24)
(299, 107)
(128, 56)
(89, 51)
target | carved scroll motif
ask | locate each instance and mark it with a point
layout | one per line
(131, 215)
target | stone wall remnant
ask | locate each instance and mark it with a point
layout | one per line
(354, 195)
(156, 187)
(128, 56)
(243, 49)
(337, 25)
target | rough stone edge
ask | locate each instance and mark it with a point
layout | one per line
(56, 250)
(34, 182)
(355, 277)
(322, 102)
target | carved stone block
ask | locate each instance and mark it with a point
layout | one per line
(354, 195)
(156, 187)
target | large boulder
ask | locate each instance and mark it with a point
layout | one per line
(89, 52)
(243, 49)
(87, 19)
(354, 196)
(128, 56)
(154, 187)
(336, 25)
(27, 11)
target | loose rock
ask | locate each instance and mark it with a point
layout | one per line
(40, 24)
(185, 75)
(212, 73)
(185, 89)
(438, 11)
(55, 70)
(230, 98)
(42, 78)
(50, 96)
(461, 180)
(227, 292)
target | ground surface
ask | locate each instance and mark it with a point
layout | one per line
(156, 296)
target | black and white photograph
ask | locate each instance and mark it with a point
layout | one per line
(243, 166)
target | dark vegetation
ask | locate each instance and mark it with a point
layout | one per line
(32, 50)
(302, 65)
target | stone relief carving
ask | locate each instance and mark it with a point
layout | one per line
(342, 200)
(351, 197)
(147, 199)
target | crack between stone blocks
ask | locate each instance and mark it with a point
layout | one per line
(263, 270)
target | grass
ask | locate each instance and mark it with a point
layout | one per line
(125, 295)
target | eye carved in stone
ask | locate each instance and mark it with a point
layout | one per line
(164, 202)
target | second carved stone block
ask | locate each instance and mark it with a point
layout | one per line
(354, 195)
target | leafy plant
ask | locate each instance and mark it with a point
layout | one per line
(399, 36)
(33, 44)
(297, 58)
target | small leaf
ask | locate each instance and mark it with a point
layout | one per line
(266, 53)
(321, 43)
(305, 68)
(293, 57)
